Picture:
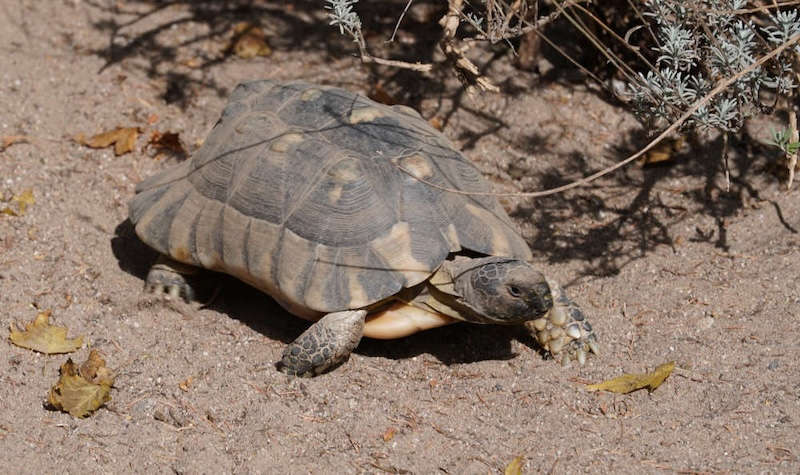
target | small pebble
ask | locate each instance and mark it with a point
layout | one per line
(772, 364)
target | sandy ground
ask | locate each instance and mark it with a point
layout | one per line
(669, 265)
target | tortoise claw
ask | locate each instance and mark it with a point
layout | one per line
(564, 331)
(593, 347)
(580, 355)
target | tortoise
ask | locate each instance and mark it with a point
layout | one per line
(355, 215)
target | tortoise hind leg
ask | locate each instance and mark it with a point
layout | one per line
(173, 279)
(325, 344)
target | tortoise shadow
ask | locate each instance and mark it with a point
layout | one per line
(453, 344)
(620, 218)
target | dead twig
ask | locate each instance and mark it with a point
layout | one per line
(795, 139)
(421, 67)
(725, 162)
(399, 20)
(456, 53)
(721, 86)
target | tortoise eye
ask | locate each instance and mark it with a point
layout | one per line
(514, 291)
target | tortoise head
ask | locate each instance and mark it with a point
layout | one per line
(500, 290)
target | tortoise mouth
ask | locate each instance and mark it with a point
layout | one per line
(543, 301)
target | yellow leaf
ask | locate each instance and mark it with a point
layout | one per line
(40, 336)
(665, 151)
(514, 467)
(632, 382)
(123, 139)
(250, 41)
(74, 394)
(23, 200)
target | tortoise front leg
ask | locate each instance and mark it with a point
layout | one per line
(564, 330)
(326, 344)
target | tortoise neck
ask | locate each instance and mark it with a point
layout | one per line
(441, 295)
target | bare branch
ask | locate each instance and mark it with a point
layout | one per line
(720, 87)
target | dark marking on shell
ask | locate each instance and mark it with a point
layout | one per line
(379, 280)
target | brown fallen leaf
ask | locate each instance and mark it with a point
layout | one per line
(95, 371)
(10, 140)
(186, 384)
(22, 200)
(75, 394)
(168, 142)
(250, 41)
(514, 467)
(633, 382)
(123, 139)
(379, 94)
(40, 336)
(664, 151)
(389, 434)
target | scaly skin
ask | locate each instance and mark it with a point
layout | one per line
(325, 345)
(564, 331)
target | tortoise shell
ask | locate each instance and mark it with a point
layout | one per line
(318, 196)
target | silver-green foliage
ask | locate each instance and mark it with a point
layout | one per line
(699, 43)
(341, 14)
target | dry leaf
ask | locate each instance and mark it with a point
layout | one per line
(10, 140)
(123, 139)
(514, 467)
(95, 371)
(73, 393)
(23, 200)
(379, 94)
(633, 382)
(436, 123)
(186, 384)
(40, 336)
(389, 434)
(250, 41)
(664, 151)
(193, 63)
(168, 142)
